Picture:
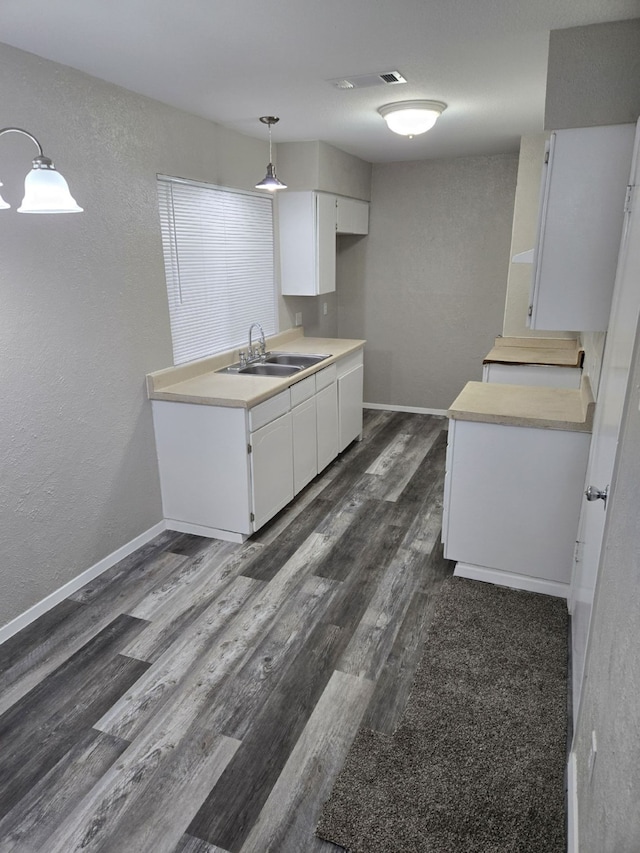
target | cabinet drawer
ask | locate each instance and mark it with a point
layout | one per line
(325, 377)
(301, 391)
(268, 411)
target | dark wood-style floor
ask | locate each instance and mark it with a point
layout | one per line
(200, 696)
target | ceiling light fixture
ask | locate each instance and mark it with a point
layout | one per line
(270, 181)
(45, 190)
(410, 118)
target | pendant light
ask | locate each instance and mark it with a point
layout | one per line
(45, 190)
(270, 181)
(410, 118)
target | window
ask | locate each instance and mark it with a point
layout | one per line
(218, 256)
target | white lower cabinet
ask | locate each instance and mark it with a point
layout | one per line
(305, 444)
(512, 502)
(205, 475)
(225, 471)
(327, 420)
(271, 469)
(350, 374)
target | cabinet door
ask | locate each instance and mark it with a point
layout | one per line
(307, 222)
(580, 225)
(305, 444)
(271, 469)
(325, 242)
(327, 420)
(350, 406)
(352, 216)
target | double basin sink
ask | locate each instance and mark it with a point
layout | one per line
(275, 364)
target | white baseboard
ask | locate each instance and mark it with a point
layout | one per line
(201, 530)
(572, 805)
(415, 409)
(80, 580)
(512, 580)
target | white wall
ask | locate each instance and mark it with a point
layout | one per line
(84, 316)
(427, 287)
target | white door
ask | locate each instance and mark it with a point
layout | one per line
(326, 242)
(350, 405)
(271, 469)
(327, 413)
(615, 372)
(305, 444)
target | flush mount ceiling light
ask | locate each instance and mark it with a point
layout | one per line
(45, 190)
(270, 181)
(410, 118)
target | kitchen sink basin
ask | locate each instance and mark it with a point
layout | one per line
(275, 364)
(301, 360)
(264, 369)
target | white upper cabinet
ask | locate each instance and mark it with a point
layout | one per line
(579, 229)
(352, 216)
(309, 221)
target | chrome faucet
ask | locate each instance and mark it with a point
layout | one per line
(260, 348)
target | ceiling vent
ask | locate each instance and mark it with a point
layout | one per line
(386, 78)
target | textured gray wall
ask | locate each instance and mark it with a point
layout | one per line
(84, 316)
(593, 75)
(608, 803)
(427, 287)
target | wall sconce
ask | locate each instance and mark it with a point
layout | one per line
(410, 118)
(270, 181)
(45, 190)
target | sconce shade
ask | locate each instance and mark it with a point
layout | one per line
(46, 191)
(410, 118)
(270, 180)
(3, 203)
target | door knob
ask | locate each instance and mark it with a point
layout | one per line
(593, 494)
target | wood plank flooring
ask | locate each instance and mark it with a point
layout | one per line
(200, 696)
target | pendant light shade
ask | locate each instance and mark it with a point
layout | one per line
(410, 118)
(45, 190)
(270, 181)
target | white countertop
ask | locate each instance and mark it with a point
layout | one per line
(198, 382)
(562, 352)
(526, 406)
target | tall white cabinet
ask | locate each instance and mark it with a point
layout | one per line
(581, 211)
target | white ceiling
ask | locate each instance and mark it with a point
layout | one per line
(237, 60)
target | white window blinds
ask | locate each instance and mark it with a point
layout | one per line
(218, 256)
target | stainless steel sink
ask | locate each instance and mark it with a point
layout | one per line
(301, 360)
(264, 369)
(275, 364)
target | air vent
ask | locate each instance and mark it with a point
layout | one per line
(386, 78)
(393, 77)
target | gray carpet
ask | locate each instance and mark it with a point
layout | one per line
(477, 763)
